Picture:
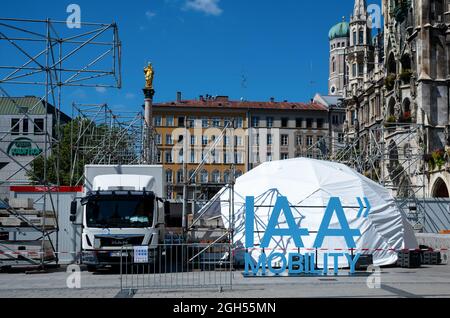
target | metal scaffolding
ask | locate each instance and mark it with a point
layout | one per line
(43, 58)
(101, 137)
(391, 155)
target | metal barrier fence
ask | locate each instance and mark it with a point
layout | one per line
(176, 266)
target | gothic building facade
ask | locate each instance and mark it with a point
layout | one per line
(395, 83)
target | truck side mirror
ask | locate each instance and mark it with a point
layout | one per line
(73, 211)
(166, 209)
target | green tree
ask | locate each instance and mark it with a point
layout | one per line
(65, 151)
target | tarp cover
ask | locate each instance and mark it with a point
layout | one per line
(308, 185)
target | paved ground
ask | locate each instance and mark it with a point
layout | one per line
(429, 281)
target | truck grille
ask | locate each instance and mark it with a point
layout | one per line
(113, 241)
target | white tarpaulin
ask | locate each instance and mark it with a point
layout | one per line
(308, 185)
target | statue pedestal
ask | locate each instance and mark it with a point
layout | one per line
(148, 117)
(148, 93)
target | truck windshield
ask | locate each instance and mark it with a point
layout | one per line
(116, 212)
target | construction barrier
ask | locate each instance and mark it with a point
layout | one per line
(176, 266)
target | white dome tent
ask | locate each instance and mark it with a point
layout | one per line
(308, 185)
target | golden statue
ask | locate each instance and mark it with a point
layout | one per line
(149, 75)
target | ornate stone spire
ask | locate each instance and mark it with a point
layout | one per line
(359, 10)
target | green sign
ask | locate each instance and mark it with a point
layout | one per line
(23, 147)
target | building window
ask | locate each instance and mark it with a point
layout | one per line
(335, 120)
(216, 177)
(25, 126)
(309, 123)
(299, 140)
(15, 127)
(169, 176)
(238, 141)
(181, 121)
(239, 123)
(269, 122)
(299, 123)
(169, 157)
(205, 123)
(192, 156)
(204, 140)
(354, 38)
(238, 158)
(180, 176)
(226, 158)
(39, 126)
(216, 122)
(269, 156)
(361, 37)
(191, 176)
(193, 140)
(169, 121)
(255, 122)
(319, 123)
(284, 156)
(309, 141)
(204, 177)
(360, 69)
(354, 70)
(191, 122)
(269, 140)
(169, 139)
(284, 140)
(284, 122)
(157, 121)
(158, 139)
(341, 137)
(226, 140)
(226, 177)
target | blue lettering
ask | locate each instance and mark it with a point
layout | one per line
(293, 231)
(345, 231)
(250, 264)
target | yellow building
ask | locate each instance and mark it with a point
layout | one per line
(240, 135)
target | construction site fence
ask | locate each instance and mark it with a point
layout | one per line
(178, 266)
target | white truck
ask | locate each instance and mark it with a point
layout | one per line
(122, 207)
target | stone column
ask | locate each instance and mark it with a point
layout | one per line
(425, 40)
(148, 120)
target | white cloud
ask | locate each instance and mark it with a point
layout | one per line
(100, 90)
(208, 7)
(150, 14)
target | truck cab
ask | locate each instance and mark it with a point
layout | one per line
(120, 212)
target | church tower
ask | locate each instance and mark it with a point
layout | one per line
(360, 57)
(339, 40)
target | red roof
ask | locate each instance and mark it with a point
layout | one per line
(224, 103)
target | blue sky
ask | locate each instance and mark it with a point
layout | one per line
(206, 46)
